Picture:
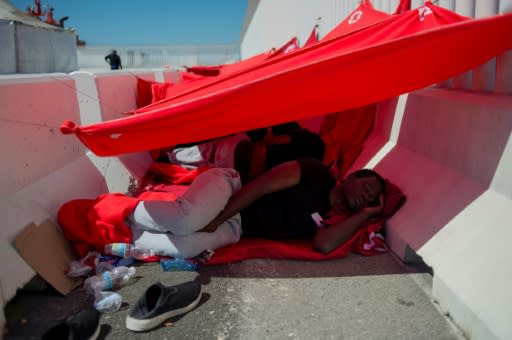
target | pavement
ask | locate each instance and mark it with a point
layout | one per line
(355, 297)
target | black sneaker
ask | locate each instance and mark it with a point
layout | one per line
(160, 303)
(84, 325)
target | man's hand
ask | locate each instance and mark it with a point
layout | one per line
(213, 225)
(372, 212)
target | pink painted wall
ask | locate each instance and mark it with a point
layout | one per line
(31, 113)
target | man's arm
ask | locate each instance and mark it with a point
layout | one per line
(283, 176)
(328, 238)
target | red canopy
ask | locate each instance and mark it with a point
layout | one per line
(363, 16)
(207, 74)
(313, 37)
(208, 71)
(404, 5)
(400, 54)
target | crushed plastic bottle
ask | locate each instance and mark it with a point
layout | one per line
(84, 266)
(105, 266)
(128, 250)
(172, 265)
(110, 279)
(108, 302)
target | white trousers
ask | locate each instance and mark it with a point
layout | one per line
(171, 228)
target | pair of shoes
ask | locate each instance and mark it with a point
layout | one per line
(84, 325)
(160, 303)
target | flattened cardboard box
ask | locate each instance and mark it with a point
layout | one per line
(49, 253)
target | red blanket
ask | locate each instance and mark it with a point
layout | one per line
(365, 242)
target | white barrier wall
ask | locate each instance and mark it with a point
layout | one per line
(451, 153)
(41, 168)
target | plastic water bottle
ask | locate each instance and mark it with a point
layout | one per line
(172, 265)
(128, 250)
(108, 302)
(110, 279)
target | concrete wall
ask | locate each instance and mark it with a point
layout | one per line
(27, 49)
(451, 153)
(8, 51)
(41, 168)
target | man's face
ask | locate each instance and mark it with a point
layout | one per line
(357, 193)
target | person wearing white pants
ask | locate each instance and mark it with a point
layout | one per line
(172, 228)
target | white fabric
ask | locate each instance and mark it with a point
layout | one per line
(171, 227)
(219, 153)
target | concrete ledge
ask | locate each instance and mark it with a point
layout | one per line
(445, 149)
(452, 157)
(471, 261)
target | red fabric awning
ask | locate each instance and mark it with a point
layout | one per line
(207, 74)
(400, 54)
(403, 6)
(207, 71)
(313, 37)
(363, 16)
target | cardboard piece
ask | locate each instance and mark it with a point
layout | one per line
(49, 253)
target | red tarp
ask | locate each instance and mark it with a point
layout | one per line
(363, 16)
(366, 16)
(313, 37)
(205, 75)
(404, 5)
(397, 55)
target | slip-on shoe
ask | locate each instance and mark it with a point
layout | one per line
(159, 303)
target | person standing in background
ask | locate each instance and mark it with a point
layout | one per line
(114, 60)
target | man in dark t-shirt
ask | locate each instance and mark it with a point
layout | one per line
(289, 200)
(287, 214)
(114, 60)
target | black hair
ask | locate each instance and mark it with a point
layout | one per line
(303, 144)
(370, 173)
(307, 144)
(285, 128)
(257, 134)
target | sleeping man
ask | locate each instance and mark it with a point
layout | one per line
(295, 200)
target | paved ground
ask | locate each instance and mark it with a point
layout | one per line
(352, 298)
